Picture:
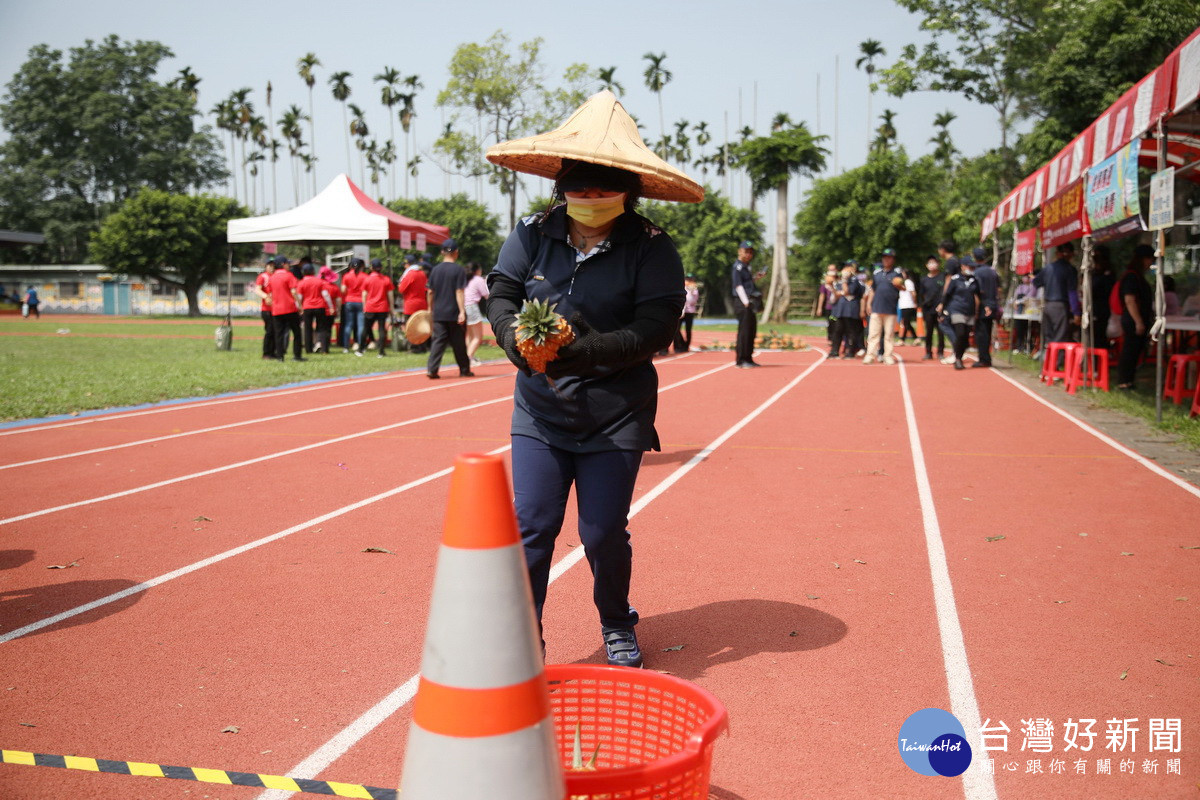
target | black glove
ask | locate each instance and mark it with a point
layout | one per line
(506, 339)
(587, 351)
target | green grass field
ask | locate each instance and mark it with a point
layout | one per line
(67, 373)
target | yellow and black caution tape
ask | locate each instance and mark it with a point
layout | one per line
(221, 776)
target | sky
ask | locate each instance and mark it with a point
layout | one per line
(736, 63)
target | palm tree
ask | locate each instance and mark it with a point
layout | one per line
(683, 143)
(257, 130)
(407, 115)
(226, 120)
(267, 144)
(341, 92)
(944, 150)
(607, 81)
(188, 81)
(289, 128)
(886, 132)
(254, 159)
(703, 137)
(770, 161)
(305, 65)
(358, 127)
(870, 49)
(656, 78)
(243, 110)
(273, 146)
(390, 78)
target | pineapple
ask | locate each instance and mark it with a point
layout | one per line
(541, 331)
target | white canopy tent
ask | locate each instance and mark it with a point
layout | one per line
(342, 212)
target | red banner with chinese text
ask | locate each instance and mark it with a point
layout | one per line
(1064, 216)
(1023, 255)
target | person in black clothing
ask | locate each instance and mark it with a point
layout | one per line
(446, 289)
(745, 303)
(847, 311)
(988, 284)
(1103, 282)
(959, 306)
(1137, 312)
(929, 296)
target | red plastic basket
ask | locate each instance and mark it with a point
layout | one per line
(655, 731)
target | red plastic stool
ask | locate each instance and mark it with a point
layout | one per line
(1176, 386)
(1098, 358)
(1050, 369)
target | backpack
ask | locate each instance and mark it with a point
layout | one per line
(1116, 303)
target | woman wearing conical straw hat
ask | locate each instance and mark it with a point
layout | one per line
(619, 281)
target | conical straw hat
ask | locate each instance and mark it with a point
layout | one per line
(599, 132)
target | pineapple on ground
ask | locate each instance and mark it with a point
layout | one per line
(541, 331)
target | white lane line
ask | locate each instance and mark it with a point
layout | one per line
(977, 783)
(141, 587)
(336, 747)
(179, 573)
(248, 462)
(253, 395)
(1108, 440)
(229, 425)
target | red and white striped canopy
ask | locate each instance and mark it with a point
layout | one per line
(1169, 92)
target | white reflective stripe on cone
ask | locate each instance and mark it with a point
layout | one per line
(482, 632)
(522, 765)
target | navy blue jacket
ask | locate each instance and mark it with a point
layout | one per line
(989, 287)
(960, 295)
(1061, 283)
(638, 273)
(884, 296)
(849, 307)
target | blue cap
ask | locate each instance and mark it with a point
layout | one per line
(356, 263)
(411, 258)
(449, 246)
(746, 245)
(887, 251)
(281, 260)
(979, 253)
(376, 263)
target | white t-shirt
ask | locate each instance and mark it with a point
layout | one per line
(908, 295)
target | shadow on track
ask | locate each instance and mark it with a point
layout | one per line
(11, 559)
(717, 793)
(730, 630)
(670, 456)
(23, 606)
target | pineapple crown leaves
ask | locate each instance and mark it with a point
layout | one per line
(537, 321)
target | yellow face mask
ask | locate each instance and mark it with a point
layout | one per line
(595, 211)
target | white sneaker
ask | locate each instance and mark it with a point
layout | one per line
(358, 352)
(475, 362)
(860, 352)
(948, 360)
(869, 360)
(889, 360)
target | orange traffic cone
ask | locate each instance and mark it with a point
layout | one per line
(482, 725)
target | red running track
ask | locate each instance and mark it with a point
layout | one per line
(783, 537)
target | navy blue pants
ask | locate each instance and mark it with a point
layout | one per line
(542, 478)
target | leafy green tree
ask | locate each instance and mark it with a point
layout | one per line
(507, 96)
(707, 234)
(889, 201)
(885, 134)
(89, 130)
(471, 224)
(389, 95)
(173, 238)
(944, 150)
(770, 161)
(607, 81)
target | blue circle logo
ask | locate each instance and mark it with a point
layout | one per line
(933, 742)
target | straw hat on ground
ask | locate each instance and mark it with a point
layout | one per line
(419, 327)
(599, 132)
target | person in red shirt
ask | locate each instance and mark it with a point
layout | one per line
(315, 304)
(412, 286)
(325, 328)
(378, 292)
(352, 307)
(285, 311)
(262, 289)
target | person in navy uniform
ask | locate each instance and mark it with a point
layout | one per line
(1061, 284)
(847, 308)
(619, 280)
(959, 306)
(745, 303)
(883, 298)
(929, 295)
(988, 284)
